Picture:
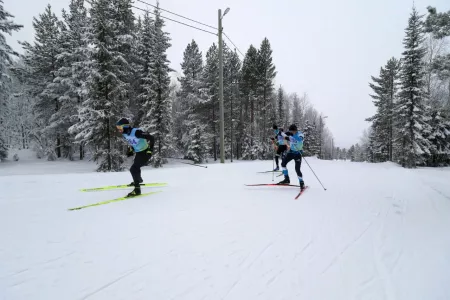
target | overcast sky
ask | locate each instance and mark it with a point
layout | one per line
(326, 48)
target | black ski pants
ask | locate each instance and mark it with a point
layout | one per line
(141, 159)
(297, 157)
(280, 151)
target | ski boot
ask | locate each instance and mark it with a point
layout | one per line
(135, 192)
(132, 183)
(286, 180)
(276, 169)
(302, 184)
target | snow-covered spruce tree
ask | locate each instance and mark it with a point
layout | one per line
(438, 25)
(249, 92)
(210, 113)
(311, 147)
(106, 100)
(195, 138)
(145, 66)
(440, 139)
(266, 74)
(70, 81)
(6, 26)
(231, 75)
(41, 61)
(297, 112)
(411, 115)
(385, 88)
(159, 117)
(281, 104)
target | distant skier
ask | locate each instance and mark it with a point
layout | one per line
(142, 144)
(280, 145)
(295, 151)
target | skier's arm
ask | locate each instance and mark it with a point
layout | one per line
(144, 135)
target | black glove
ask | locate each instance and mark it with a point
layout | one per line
(130, 152)
(273, 139)
(281, 129)
(275, 127)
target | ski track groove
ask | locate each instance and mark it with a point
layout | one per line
(297, 254)
(231, 288)
(248, 267)
(114, 281)
(336, 258)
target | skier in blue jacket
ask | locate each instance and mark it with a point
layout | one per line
(142, 144)
(295, 152)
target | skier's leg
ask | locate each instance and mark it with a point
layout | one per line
(284, 163)
(298, 162)
(139, 161)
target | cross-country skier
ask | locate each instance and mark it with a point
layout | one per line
(295, 151)
(280, 145)
(142, 144)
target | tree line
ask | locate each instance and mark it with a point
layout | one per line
(96, 65)
(411, 94)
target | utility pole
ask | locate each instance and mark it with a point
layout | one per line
(222, 134)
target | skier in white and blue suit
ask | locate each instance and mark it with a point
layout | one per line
(280, 145)
(295, 152)
(142, 144)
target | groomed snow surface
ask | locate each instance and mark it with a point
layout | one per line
(378, 232)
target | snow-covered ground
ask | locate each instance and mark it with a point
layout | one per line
(378, 232)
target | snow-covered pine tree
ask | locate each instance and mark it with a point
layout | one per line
(311, 139)
(385, 88)
(266, 74)
(440, 140)
(17, 123)
(437, 23)
(106, 100)
(195, 138)
(281, 104)
(210, 84)
(145, 68)
(70, 79)
(7, 26)
(42, 63)
(249, 89)
(297, 113)
(343, 155)
(136, 63)
(231, 78)
(411, 115)
(125, 37)
(159, 116)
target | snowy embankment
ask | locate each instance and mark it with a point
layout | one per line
(378, 232)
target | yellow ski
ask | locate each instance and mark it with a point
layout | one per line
(122, 186)
(114, 200)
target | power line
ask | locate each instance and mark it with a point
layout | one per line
(177, 14)
(145, 10)
(233, 44)
(175, 21)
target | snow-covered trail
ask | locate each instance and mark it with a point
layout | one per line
(378, 232)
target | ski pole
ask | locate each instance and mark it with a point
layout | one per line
(194, 165)
(314, 173)
(273, 163)
(186, 162)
